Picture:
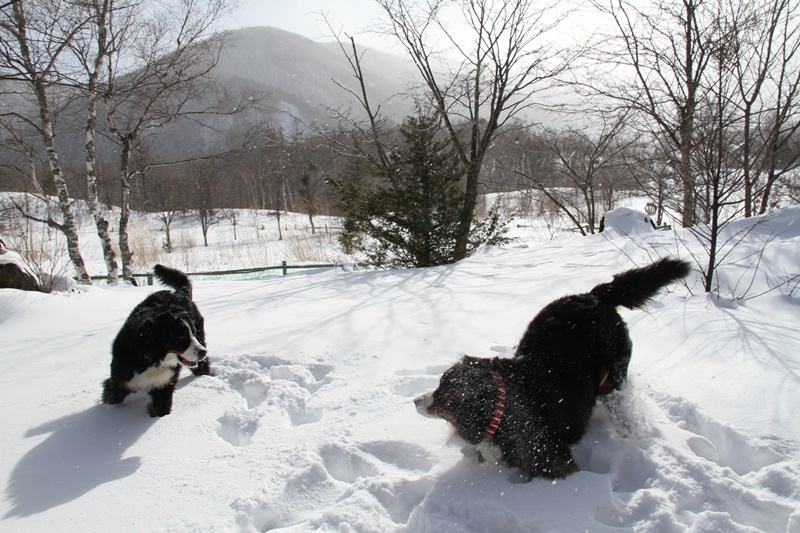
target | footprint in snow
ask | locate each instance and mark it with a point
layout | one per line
(387, 474)
(719, 443)
(348, 463)
(389, 470)
(237, 428)
(266, 382)
(674, 461)
(345, 465)
(411, 383)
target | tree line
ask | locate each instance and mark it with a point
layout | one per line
(693, 103)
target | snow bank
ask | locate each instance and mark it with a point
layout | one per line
(626, 221)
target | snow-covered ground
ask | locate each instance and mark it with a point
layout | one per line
(309, 422)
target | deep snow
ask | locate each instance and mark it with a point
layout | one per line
(309, 422)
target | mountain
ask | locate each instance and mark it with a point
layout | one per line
(296, 77)
(300, 76)
(299, 82)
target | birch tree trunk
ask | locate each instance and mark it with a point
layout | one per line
(125, 212)
(35, 76)
(168, 45)
(69, 228)
(100, 221)
(100, 12)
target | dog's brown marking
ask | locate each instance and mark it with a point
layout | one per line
(438, 412)
(606, 386)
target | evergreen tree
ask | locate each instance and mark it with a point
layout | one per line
(410, 217)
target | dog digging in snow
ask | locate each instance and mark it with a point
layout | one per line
(162, 334)
(528, 410)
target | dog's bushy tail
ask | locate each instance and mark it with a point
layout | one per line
(633, 288)
(173, 278)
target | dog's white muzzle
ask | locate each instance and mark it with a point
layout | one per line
(195, 353)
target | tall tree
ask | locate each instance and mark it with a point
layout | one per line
(169, 200)
(108, 22)
(203, 198)
(774, 79)
(154, 77)
(504, 52)
(34, 37)
(659, 53)
(308, 190)
(716, 86)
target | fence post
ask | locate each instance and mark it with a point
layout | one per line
(284, 269)
(150, 279)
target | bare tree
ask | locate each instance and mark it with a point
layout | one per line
(716, 85)
(778, 50)
(34, 36)
(718, 135)
(108, 22)
(153, 79)
(232, 216)
(659, 54)
(508, 56)
(169, 201)
(310, 182)
(588, 165)
(203, 195)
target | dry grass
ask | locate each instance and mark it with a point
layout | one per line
(319, 248)
(257, 243)
(145, 245)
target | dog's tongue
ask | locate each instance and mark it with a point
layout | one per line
(186, 362)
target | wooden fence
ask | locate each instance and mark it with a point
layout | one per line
(284, 268)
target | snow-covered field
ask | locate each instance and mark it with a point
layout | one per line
(309, 422)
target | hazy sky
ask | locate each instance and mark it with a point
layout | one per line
(353, 17)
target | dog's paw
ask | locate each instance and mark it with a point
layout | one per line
(203, 368)
(565, 469)
(471, 452)
(156, 412)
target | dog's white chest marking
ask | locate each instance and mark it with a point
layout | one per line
(489, 451)
(155, 376)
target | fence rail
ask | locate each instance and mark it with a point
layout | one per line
(283, 267)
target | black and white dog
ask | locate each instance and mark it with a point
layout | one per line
(163, 333)
(529, 409)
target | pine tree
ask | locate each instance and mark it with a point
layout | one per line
(411, 218)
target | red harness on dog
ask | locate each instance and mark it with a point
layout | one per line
(499, 406)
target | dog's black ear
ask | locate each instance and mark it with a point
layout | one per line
(148, 328)
(157, 329)
(147, 338)
(177, 332)
(159, 324)
(468, 359)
